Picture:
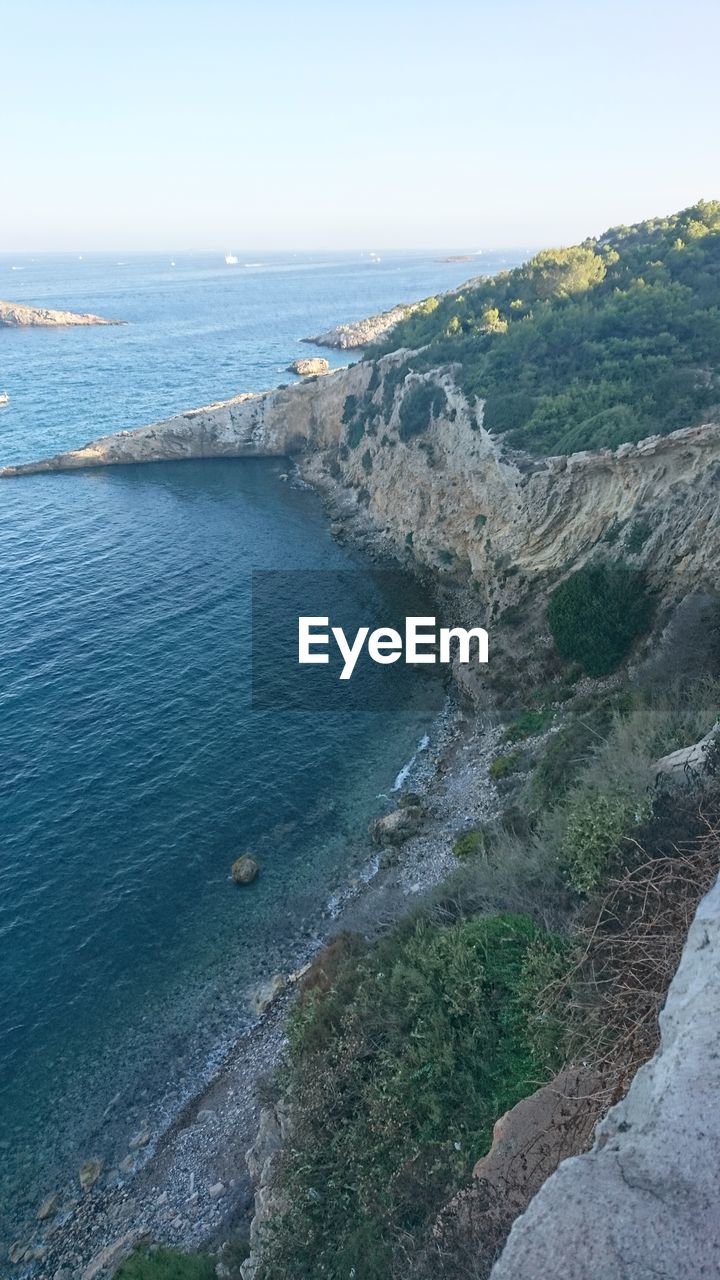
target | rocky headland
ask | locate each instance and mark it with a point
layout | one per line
(17, 315)
(362, 333)
(455, 500)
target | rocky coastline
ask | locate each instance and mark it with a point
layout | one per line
(17, 315)
(362, 333)
(189, 1185)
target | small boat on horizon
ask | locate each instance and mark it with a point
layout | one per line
(230, 259)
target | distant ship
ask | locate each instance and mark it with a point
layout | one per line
(230, 260)
(4, 398)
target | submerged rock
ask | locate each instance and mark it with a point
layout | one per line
(89, 1173)
(48, 1208)
(244, 869)
(267, 992)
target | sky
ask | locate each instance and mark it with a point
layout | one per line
(180, 124)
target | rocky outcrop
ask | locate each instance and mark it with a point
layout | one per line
(643, 1203)
(362, 333)
(15, 315)
(264, 1160)
(529, 1142)
(452, 492)
(311, 367)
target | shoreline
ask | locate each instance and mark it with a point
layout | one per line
(193, 1189)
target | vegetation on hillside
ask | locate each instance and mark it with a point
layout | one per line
(403, 1052)
(605, 342)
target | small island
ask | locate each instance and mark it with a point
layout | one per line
(15, 315)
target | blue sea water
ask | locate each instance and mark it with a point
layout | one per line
(132, 770)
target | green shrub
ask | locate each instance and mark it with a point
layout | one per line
(502, 766)
(350, 408)
(423, 402)
(355, 432)
(166, 1264)
(421, 1045)
(595, 827)
(479, 522)
(530, 723)
(469, 844)
(596, 614)
(367, 461)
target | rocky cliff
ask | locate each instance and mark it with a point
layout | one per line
(15, 315)
(643, 1203)
(443, 486)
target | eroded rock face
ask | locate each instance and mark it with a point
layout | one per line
(643, 1203)
(452, 492)
(15, 315)
(529, 1142)
(264, 1160)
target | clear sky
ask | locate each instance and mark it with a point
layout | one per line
(177, 124)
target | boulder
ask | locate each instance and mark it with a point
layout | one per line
(89, 1173)
(690, 765)
(267, 992)
(244, 869)
(397, 827)
(310, 367)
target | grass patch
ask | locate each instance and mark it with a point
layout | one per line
(166, 1264)
(530, 723)
(503, 766)
(469, 844)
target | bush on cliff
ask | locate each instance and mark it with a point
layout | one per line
(420, 404)
(596, 614)
(398, 1072)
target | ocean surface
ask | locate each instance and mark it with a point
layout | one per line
(132, 768)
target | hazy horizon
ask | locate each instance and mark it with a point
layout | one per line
(171, 127)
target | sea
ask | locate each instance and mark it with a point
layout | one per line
(133, 768)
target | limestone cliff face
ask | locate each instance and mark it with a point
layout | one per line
(643, 1203)
(452, 492)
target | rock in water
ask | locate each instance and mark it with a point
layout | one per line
(48, 1207)
(89, 1173)
(15, 315)
(244, 869)
(397, 827)
(312, 366)
(268, 992)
